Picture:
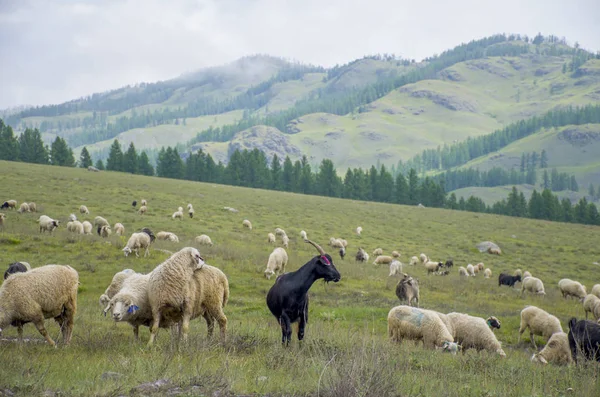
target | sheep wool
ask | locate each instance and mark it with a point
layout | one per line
(137, 241)
(83, 209)
(377, 252)
(100, 221)
(396, 254)
(533, 285)
(87, 227)
(596, 290)
(247, 224)
(270, 238)
(556, 351)
(591, 304)
(572, 288)
(143, 209)
(47, 224)
(471, 270)
(487, 273)
(285, 241)
(463, 272)
(526, 274)
(119, 229)
(2, 219)
(407, 322)
(131, 303)
(45, 292)
(115, 286)
(413, 261)
(383, 259)
(23, 208)
(177, 215)
(303, 235)
(474, 333)
(276, 263)
(395, 268)
(203, 239)
(32, 207)
(359, 230)
(539, 322)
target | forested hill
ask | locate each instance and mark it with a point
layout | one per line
(378, 109)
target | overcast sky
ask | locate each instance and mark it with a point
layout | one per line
(52, 51)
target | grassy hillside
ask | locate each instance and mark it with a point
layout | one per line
(346, 351)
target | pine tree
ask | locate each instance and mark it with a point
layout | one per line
(523, 164)
(100, 165)
(574, 184)
(593, 218)
(31, 147)
(401, 190)
(287, 175)
(275, 173)
(544, 159)
(413, 187)
(580, 212)
(61, 154)
(9, 145)
(546, 183)
(85, 160)
(591, 191)
(536, 206)
(144, 166)
(130, 160)
(115, 157)
(328, 183)
(306, 182)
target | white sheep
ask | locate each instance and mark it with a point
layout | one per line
(203, 239)
(572, 288)
(471, 270)
(177, 215)
(247, 224)
(407, 322)
(474, 333)
(463, 272)
(75, 227)
(100, 221)
(518, 272)
(169, 290)
(556, 351)
(143, 209)
(189, 206)
(359, 230)
(395, 268)
(137, 241)
(23, 208)
(180, 209)
(539, 322)
(104, 231)
(596, 290)
(383, 259)
(487, 273)
(285, 241)
(533, 285)
(114, 286)
(526, 274)
(32, 207)
(377, 252)
(87, 227)
(591, 304)
(167, 236)
(191, 212)
(47, 224)
(276, 263)
(270, 238)
(413, 261)
(131, 303)
(2, 219)
(303, 235)
(432, 267)
(143, 202)
(84, 210)
(72, 217)
(280, 232)
(45, 292)
(423, 258)
(396, 254)
(119, 229)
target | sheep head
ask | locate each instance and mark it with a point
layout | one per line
(451, 347)
(536, 358)
(493, 322)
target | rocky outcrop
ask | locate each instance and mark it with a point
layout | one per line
(266, 139)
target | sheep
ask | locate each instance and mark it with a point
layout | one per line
(493, 322)
(342, 253)
(2, 219)
(280, 232)
(119, 229)
(45, 292)
(377, 252)
(247, 224)
(303, 235)
(591, 304)
(423, 258)
(518, 272)
(23, 208)
(276, 263)
(395, 268)
(191, 212)
(433, 266)
(144, 202)
(143, 209)
(72, 217)
(104, 231)
(407, 290)
(12, 204)
(336, 243)
(134, 203)
(87, 227)
(556, 351)
(407, 322)
(494, 251)
(471, 270)
(285, 241)
(287, 299)
(180, 209)
(76, 227)
(539, 322)
(131, 303)
(413, 261)
(383, 259)
(177, 215)
(137, 241)
(474, 333)
(83, 210)
(169, 290)
(167, 236)
(572, 288)
(487, 273)
(449, 263)
(189, 206)
(596, 290)
(100, 221)
(505, 279)
(203, 239)
(533, 285)
(584, 337)
(526, 274)
(115, 286)
(463, 272)
(93, 169)
(47, 224)
(16, 267)
(358, 230)
(32, 207)
(344, 242)
(361, 255)
(479, 267)
(270, 238)
(396, 254)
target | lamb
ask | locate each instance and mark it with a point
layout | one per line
(395, 268)
(100, 221)
(533, 285)
(32, 207)
(584, 337)
(413, 261)
(177, 215)
(270, 238)
(596, 290)
(359, 230)
(361, 255)
(303, 235)
(45, 292)
(383, 259)
(83, 210)
(87, 227)
(423, 258)
(407, 290)
(479, 267)
(474, 333)
(23, 208)
(556, 351)
(285, 241)
(396, 254)
(18, 267)
(143, 209)
(115, 286)
(167, 236)
(169, 290)
(276, 263)
(144, 202)
(47, 224)
(505, 279)
(539, 322)
(591, 304)
(377, 252)
(247, 224)
(463, 272)
(119, 229)
(572, 288)
(406, 322)
(526, 274)
(494, 251)
(12, 204)
(104, 231)
(471, 270)
(433, 267)
(137, 241)
(487, 273)
(203, 239)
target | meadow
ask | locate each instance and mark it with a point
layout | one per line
(346, 351)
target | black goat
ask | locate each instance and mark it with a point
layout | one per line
(507, 279)
(584, 337)
(288, 297)
(134, 203)
(449, 263)
(342, 253)
(149, 233)
(13, 268)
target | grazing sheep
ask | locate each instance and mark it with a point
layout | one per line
(533, 285)
(383, 259)
(342, 253)
(23, 208)
(45, 292)
(177, 215)
(474, 333)
(584, 337)
(463, 272)
(180, 209)
(494, 251)
(591, 304)
(395, 268)
(100, 221)
(169, 290)
(505, 279)
(336, 242)
(47, 224)
(143, 209)
(285, 241)
(144, 202)
(137, 241)
(276, 263)
(471, 270)
(423, 258)
(526, 274)
(359, 230)
(270, 238)
(189, 206)
(493, 322)
(203, 239)
(280, 232)
(596, 290)
(396, 254)
(12, 204)
(487, 273)
(18, 267)
(539, 322)
(518, 272)
(303, 235)
(2, 219)
(413, 261)
(407, 290)
(361, 255)
(433, 267)
(449, 263)
(72, 217)
(115, 286)
(87, 227)
(572, 288)
(119, 229)
(104, 231)
(377, 252)
(344, 242)
(407, 322)
(191, 212)
(167, 236)
(75, 227)
(247, 224)
(84, 210)
(32, 207)
(556, 351)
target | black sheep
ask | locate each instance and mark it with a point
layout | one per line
(134, 203)
(449, 263)
(506, 279)
(584, 337)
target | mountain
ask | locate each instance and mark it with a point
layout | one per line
(378, 109)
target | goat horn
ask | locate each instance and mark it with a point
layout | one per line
(317, 246)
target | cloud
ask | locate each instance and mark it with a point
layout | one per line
(56, 50)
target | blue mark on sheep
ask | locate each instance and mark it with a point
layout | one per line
(417, 317)
(132, 308)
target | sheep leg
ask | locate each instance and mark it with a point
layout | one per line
(20, 331)
(532, 338)
(137, 253)
(66, 324)
(210, 323)
(521, 330)
(286, 329)
(218, 316)
(147, 252)
(39, 324)
(154, 326)
(185, 325)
